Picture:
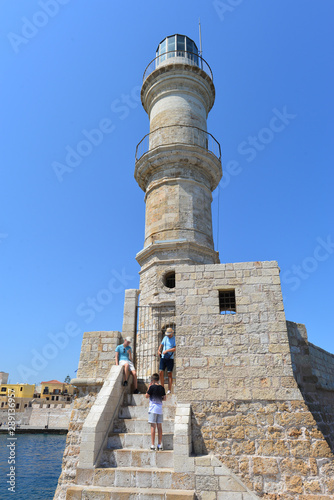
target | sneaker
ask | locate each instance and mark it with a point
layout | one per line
(168, 392)
(136, 391)
(125, 383)
(159, 447)
(152, 447)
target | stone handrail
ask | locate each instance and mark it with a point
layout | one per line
(100, 419)
(183, 462)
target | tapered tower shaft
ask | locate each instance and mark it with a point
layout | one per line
(178, 163)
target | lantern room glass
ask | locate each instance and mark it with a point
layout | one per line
(177, 46)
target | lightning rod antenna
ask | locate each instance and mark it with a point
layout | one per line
(200, 41)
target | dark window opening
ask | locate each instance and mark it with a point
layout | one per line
(227, 303)
(3, 389)
(169, 280)
(17, 405)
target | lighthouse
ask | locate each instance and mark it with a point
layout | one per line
(251, 394)
(178, 166)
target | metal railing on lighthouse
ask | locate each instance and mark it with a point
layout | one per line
(178, 134)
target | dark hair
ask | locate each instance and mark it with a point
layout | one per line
(155, 377)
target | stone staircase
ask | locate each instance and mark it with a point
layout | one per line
(128, 468)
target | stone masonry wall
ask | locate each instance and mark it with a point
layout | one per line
(322, 363)
(56, 416)
(313, 370)
(96, 358)
(97, 354)
(81, 407)
(236, 371)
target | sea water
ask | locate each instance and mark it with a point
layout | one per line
(38, 459)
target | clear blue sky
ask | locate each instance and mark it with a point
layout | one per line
(70, 67)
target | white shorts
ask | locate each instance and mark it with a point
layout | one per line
(123, 362)
(155, 418)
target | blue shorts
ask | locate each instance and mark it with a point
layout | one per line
(166, 363)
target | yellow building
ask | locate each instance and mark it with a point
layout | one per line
(22, 394)
(53, 390)
(18, 390)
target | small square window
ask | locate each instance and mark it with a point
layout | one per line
(227, 303)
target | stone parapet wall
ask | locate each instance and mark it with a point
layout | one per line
(313, 371)
(97, 355)
(322, 363)
(130, 313)
(53, 417)
(300, 356)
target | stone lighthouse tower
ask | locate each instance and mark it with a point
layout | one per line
(178, 165)
(252, 409)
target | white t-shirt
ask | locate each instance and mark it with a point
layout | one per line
(156, 392)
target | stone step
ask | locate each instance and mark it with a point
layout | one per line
(134, 477)
(141, 400)
(138, 441)
(137, 458)
(96, 492)
(140, 425)
(139, 477)
(142, 412)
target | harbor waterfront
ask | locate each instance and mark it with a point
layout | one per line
(37, 464)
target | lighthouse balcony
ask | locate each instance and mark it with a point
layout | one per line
(178, 57)
(176, 135)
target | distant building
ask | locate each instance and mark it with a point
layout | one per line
(4, 377)
(53, 390)
(23, 394)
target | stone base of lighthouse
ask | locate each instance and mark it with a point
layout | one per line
(253, 403)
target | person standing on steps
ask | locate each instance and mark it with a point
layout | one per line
(157, 395)
(166, 350)
(123, 357)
